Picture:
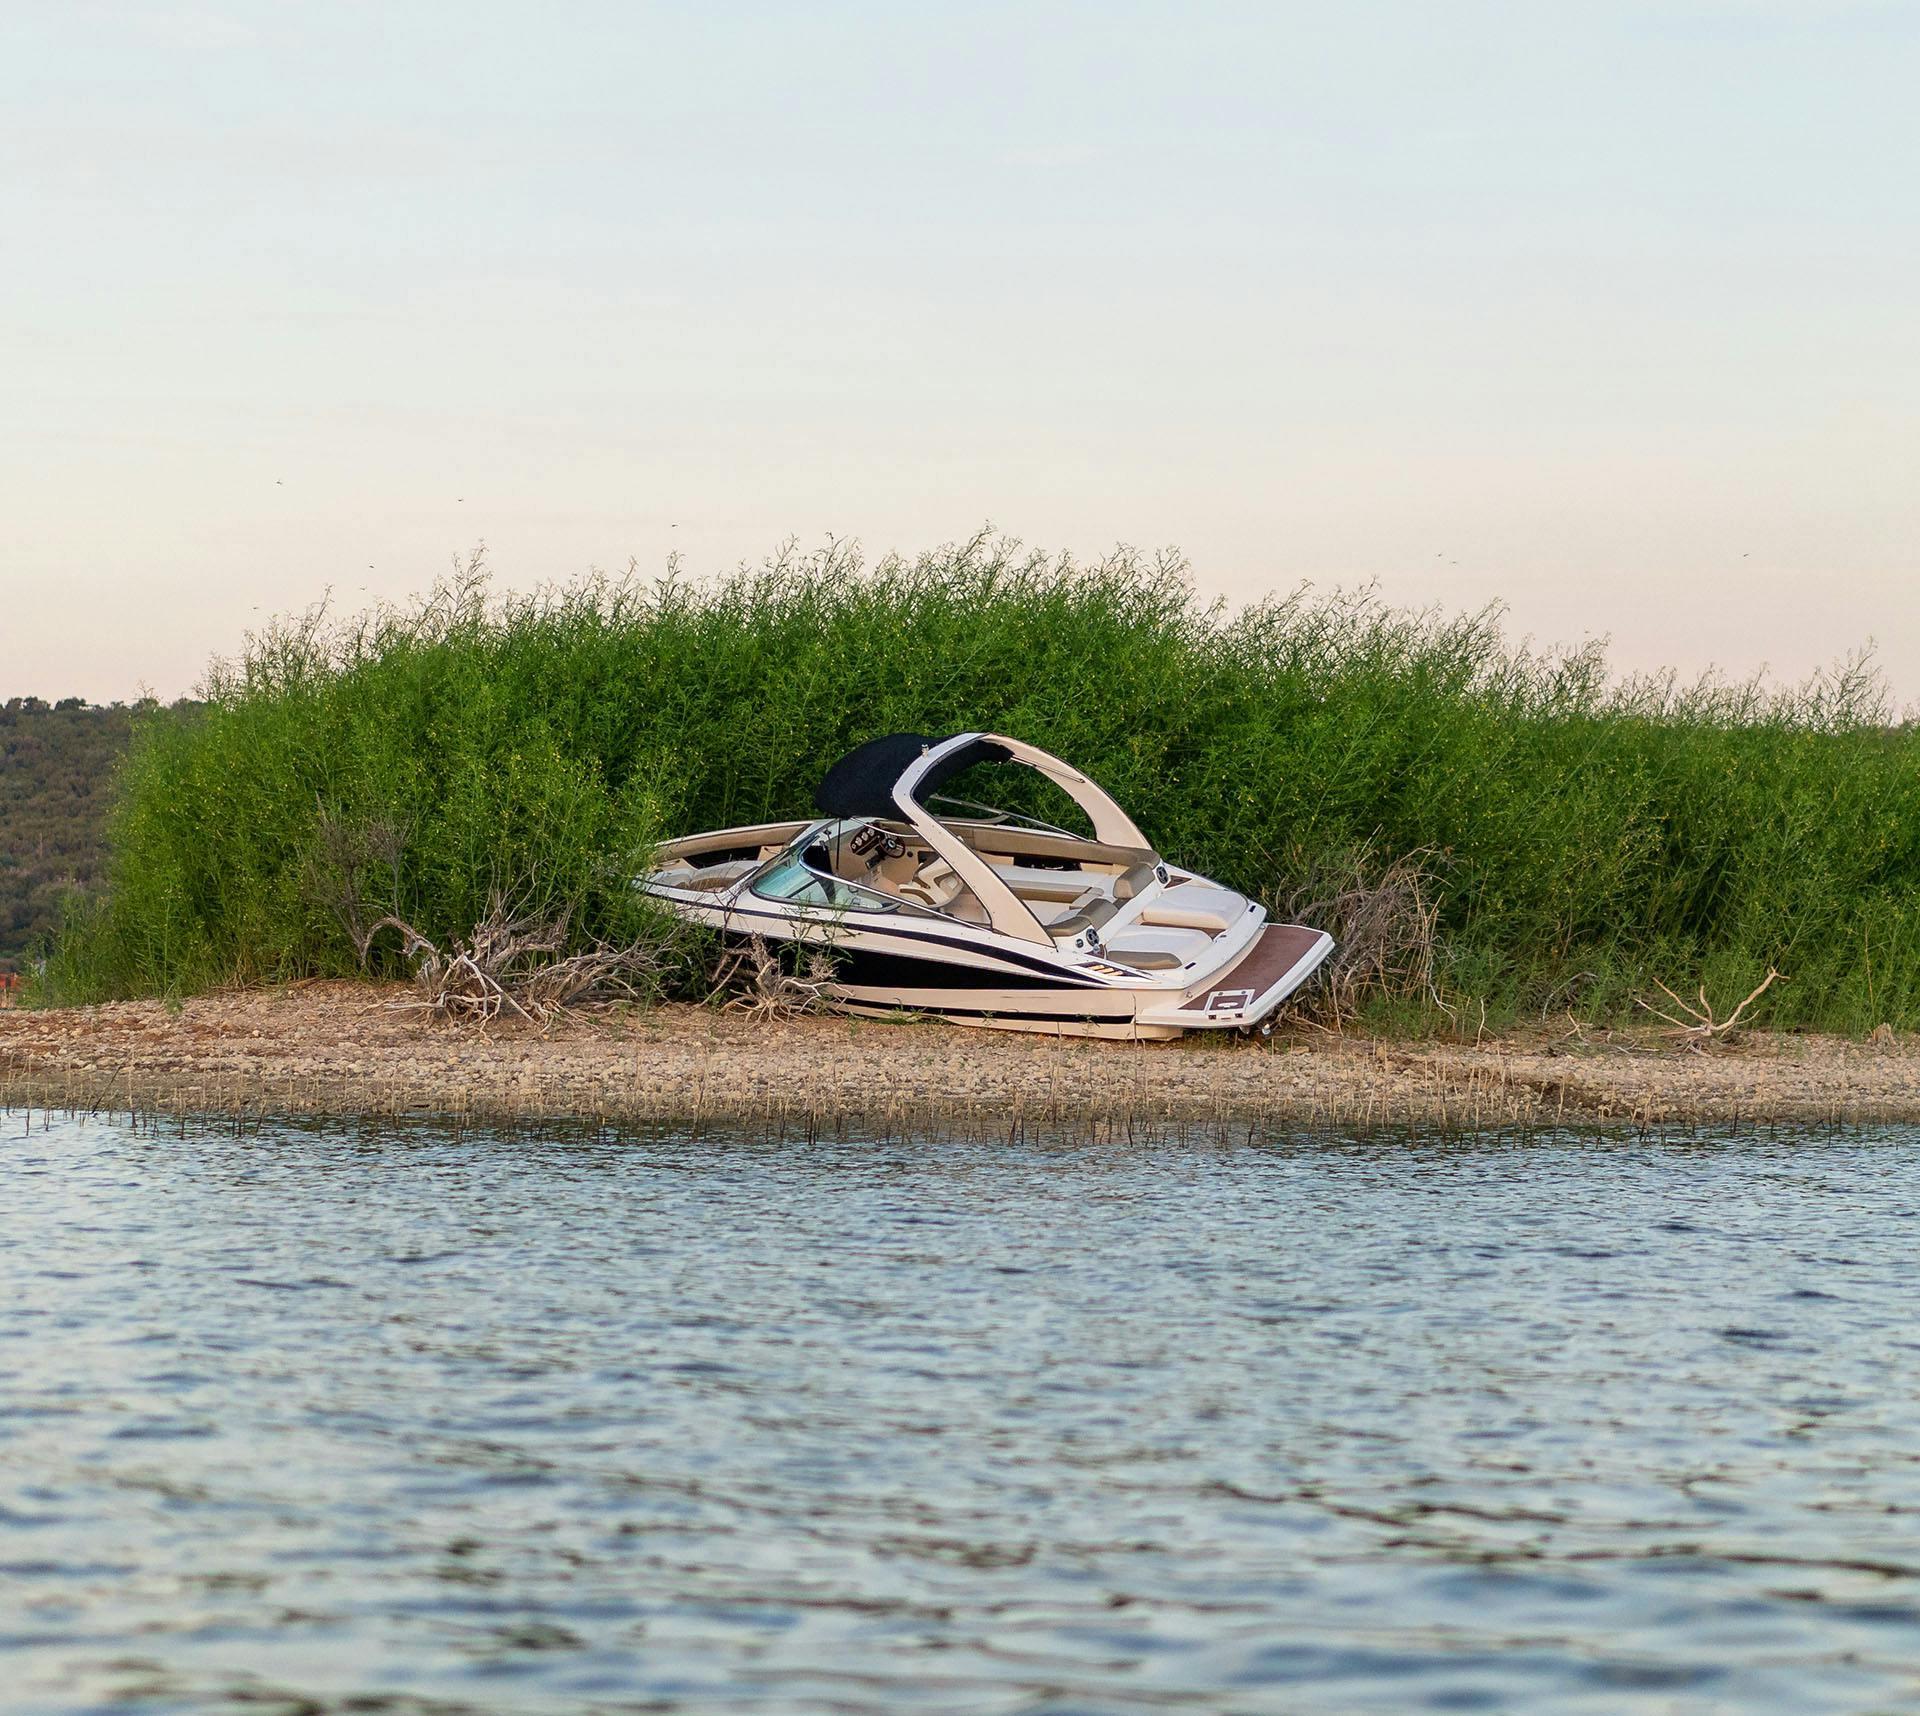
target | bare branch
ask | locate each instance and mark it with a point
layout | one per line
(1704, 1027)
(513, 965)
(765, 989)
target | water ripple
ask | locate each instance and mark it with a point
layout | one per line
(412, 1422)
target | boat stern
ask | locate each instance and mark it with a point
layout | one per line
(1275, 963)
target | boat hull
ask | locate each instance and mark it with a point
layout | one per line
(887, 973)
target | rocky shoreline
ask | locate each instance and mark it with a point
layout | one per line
(353, 1049)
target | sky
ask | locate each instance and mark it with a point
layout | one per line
(1603, 311)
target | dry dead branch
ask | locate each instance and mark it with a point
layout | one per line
(512, 965)
(1567, 991)
(1700, 1026)
(764, 988)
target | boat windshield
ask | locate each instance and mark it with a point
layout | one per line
(801, 877)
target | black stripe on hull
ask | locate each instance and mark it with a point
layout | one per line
(949, 974)
(860, 968)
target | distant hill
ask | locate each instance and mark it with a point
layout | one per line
(56, 772)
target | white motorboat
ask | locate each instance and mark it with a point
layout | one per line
(988, 917)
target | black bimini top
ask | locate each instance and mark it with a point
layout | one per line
(862, 782)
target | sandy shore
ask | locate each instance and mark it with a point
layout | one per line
(356, 1049)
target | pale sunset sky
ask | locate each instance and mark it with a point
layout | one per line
(1607, 311)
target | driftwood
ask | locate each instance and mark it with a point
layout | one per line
(1700, 1026)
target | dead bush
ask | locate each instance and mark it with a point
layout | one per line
(1384, 920)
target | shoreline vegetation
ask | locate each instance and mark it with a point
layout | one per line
(344, 1049)
(1502, 838)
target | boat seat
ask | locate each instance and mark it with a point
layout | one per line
(1165, 949)
(1145, 958)
(940, 887)
(1099, 901)
(890, 873)
(709, 880)
(1032, 883)
(1194, 905)
(1135, 880)
(1071, 923)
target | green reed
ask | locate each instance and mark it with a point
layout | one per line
(1585, 836)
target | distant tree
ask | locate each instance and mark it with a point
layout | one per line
(57, 764)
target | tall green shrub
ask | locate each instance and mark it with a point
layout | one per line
(1587, 835)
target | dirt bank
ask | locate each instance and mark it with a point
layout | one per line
(345, 1048)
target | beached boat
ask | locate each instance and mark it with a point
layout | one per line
(930, 904)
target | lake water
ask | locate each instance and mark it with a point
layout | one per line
(325, 1420)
